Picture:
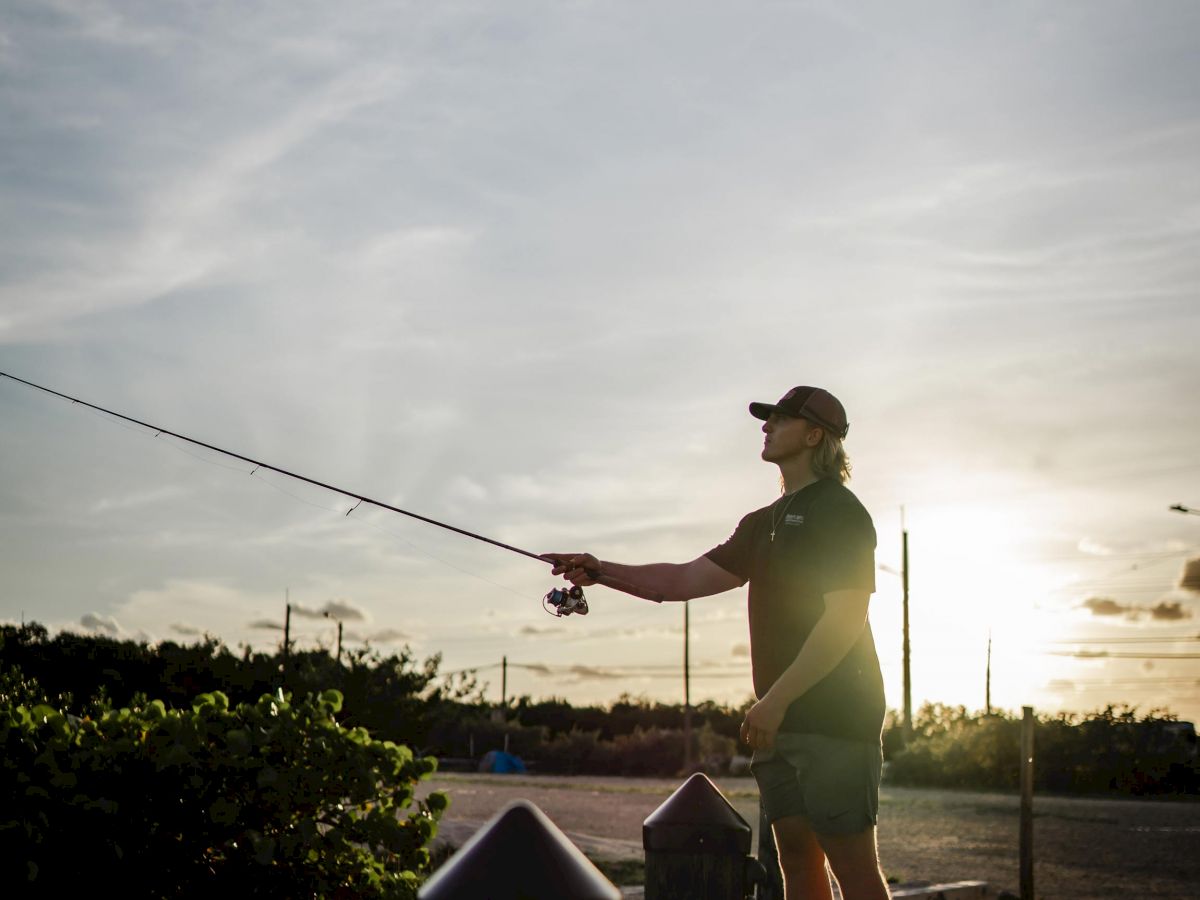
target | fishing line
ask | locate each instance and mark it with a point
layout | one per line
(559, 601)
(141, 432)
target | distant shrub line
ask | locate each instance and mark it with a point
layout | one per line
(1111, 751)
(400, 699)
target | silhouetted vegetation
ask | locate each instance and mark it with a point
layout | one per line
(267, 799)
(398, 698)
(1109, 751)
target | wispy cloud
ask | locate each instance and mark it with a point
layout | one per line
(332, 609)
(1163, 611)
(97, 622)
(521, 268)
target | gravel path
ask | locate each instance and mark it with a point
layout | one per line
(1084, 848)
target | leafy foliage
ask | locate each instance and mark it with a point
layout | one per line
(267, 799)
(394, 697)
(1112, 750)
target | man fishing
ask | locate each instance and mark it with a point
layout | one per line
(809, 559)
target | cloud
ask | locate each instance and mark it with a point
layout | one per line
(1169, 612)
(1163, 611)
(1105, 606)
(536, 630)
(96, 622)
(265, 625)
(136, 499)
(334, 609)
(536, 668)
(386, 636)
(740, 650)
(593, 672)
(1094, 548)
(185, 629)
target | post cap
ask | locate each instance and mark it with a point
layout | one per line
(696, 819)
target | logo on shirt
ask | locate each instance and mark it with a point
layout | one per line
(793, 519)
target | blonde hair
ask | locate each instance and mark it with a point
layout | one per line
(829, 459)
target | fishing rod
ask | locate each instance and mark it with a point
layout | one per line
(559, 601)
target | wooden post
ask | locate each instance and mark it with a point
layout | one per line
(504, 681)
(908, 719)
(697, 846)
(1027, 803)
(987, 687)
(687, 695)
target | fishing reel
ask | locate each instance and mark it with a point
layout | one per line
(564, 601)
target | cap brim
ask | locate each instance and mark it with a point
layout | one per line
(762, 410)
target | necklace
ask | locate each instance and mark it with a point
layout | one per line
(782, 516)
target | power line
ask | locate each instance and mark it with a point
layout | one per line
(1159, 639)
(1121, 682)
(1109, 654)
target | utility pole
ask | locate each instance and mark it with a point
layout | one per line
(504, 681)
(287, 630)
(687, 693)
(338, 658)
(988, 687)
(908, 719)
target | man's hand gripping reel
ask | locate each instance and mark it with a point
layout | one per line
(564, 601)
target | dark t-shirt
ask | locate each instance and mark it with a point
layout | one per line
(824, 541)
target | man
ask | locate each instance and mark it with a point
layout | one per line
(809, 558)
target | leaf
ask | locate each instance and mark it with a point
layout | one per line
(264, 850)
(224, 811)
(238, 741)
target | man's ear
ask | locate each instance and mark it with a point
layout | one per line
(814, 436)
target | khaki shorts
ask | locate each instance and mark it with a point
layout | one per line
(833, 783)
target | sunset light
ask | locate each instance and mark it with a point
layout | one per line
(523, 276)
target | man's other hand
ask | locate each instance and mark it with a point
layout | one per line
(761, 723)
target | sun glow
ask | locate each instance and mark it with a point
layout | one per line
(969, 582)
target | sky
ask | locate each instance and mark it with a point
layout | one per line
(521, 267)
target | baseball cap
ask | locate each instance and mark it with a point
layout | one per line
(812, 403)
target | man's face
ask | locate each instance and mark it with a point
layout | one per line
(787, 437)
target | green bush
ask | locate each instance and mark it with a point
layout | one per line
(269, 799)
(1108, 751)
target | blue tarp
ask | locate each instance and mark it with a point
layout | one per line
(499, 761)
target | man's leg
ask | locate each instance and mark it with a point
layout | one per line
(854, 859)
(802, 860)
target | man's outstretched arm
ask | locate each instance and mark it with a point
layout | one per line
(674, 581)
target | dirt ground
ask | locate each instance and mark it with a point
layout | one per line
(1083, 848)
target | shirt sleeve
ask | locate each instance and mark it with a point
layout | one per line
(734, 555)
(847, 548)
